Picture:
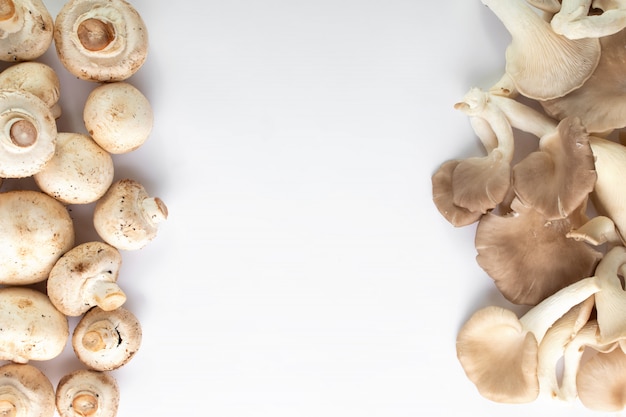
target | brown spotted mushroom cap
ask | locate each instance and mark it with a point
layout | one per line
(87, 393)
(25, 392)
(26, 29)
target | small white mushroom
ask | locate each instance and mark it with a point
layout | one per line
(25, 391)
(80, 171)
(127, 217)
(106, 340)
(118, 117)
(27, 134)
(31, 328)
(86, 276)
(36, 78)
(25, 30)
(35, 230)
(100, 40)
(87, 393)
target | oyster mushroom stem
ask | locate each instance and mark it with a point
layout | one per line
(575, 22)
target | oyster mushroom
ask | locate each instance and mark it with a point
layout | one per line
(100, 40)
(27, 134)
(25, 30)
(127, 217)
(25, 391)
(87, 393)
(79, 172)
(84, 277)
(36, 78)
(118, 117)
(35, 230)
(541, 63)
(499, 351)
(601, 381)
(106, 340)
(32, 328)
(575, 21)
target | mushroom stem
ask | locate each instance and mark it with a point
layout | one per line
(154, 209)
(539, 318)
(524, 117)
(11, 19)
(7, 409)
(85, 404)
(597, 231)
(574, 22)
(101, 335)
(106, 294)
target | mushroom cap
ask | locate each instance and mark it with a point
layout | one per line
(444, 200)
(599, 102)
(36, 78)
(106, 340)
(35, 230)
(26, 391)
(601, 381)
(127, 217)
(118, 117)
(558, 178)
(33, 34)
(86, 276)
(32, 328)
(100, 40)
(529, 257)
(87, 393)
(79, 172)
(499, 356)
(27, 134)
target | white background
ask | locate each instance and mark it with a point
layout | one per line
(304, 270)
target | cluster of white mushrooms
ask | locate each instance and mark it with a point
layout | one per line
(46, 277)
(550, 223)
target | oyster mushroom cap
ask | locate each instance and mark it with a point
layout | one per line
(601, 381)
(106, 340)
(118, 117)
(25, 392)
(32, 328)
(26, 30)
(36, 78)
(84, 277)
(127, 217)
(443, 197)
(79, 172)
(27, 134)
(87, 393)
(35, 230)
(100, 40)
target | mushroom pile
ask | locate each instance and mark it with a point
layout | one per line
(54, 289)
(550, 222)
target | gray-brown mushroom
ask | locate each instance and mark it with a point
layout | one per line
(87, 393)
(25, 391)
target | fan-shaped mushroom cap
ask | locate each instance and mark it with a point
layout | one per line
(25, 392)
(25, 30)
(127, 217)
(100, 40)
(86, 276)
(118, 117)
(32, 328)
(36, 78)
(79, 172)
(530, 257)
(27, 134)
(542, 64)
(87, 393)
(106, 340)
(601, 381)
(443, 197)
(558, 178)
(35, 230)
(600, 101)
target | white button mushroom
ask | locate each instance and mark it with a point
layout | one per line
(36, 78)
(106, 340)
(25, 392)
(86, 276)
(25, 30)
(127, 217)
(35, 230)
(118, 117)
(100, 40)
(27, 134)
(80, 171)
(87, 393)
(31, 328)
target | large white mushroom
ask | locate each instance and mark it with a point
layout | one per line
(26, 28)
(36, 78)
(25, 391)
(87, 393)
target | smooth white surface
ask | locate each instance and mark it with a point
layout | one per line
(303, 270)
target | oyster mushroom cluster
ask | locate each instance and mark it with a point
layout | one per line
(46, 275)
(550, 223)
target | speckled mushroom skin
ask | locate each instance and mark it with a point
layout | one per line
(35, 230)
(34, 37)
(99, 390)
(28, 389)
